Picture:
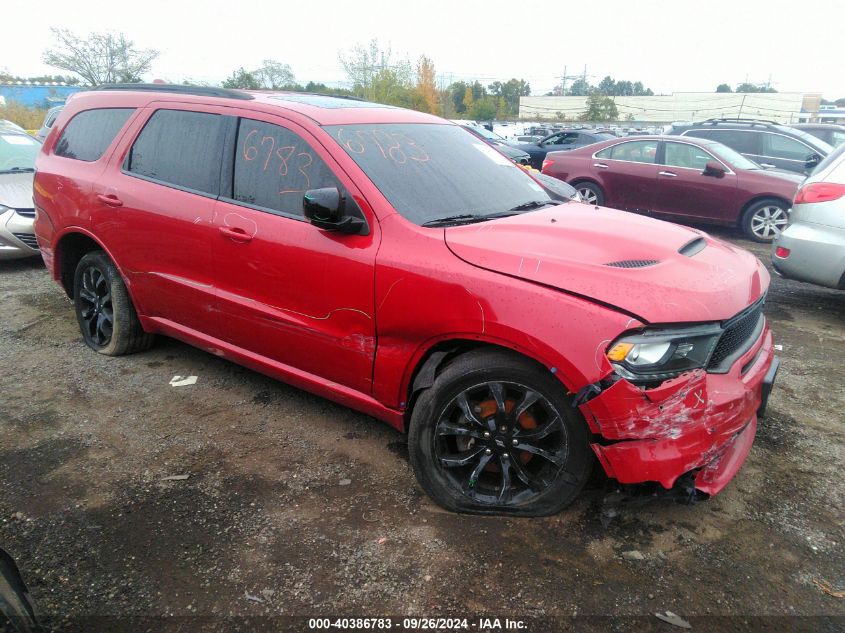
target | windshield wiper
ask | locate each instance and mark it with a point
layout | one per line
(463, 218)
(532, 204)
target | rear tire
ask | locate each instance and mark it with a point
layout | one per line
(765, 219)
(590, 193)
(106, 316)
(495, 434)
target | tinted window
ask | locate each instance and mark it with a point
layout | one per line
(785, 147)
(689, 156)
(274, 167)
(90, 133)
(635, 151)
(180, 148)
(740, 140)
(429, 171)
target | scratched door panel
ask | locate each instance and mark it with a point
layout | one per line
(289, 291)
(166, 176)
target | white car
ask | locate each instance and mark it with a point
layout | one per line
(17, 211)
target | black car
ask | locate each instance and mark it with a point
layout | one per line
(559, 141)
(830, 133)
(767, 143)
(491, 138)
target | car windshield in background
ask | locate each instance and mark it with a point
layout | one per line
(432, 172)
(813, 141)
(733, 157)
(17, 152)
(483, 131)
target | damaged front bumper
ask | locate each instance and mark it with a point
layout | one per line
(699, 423)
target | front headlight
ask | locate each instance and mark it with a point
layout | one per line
(662, 353)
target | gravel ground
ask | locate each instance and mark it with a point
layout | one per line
(294, 506)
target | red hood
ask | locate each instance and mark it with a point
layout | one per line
(570, 246)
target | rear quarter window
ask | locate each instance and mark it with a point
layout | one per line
(88, 134)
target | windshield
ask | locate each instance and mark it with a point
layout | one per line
(429, 171)
(812, 141)
(733, 157)
(17, 151)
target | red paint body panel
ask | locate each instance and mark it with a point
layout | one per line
(687, 193)
(351, 317)
(697, 420)
(569, 247)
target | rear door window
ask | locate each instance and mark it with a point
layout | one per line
(780, 146)
(88, 134)
(743, 141)
(274, 167)
(181, 148)
(635, 151)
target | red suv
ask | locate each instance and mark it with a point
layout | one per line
(390, 261)
(683, 177)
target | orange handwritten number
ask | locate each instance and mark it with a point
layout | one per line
(250, 152)
(270, 153)
(283, 167)
(305, 166)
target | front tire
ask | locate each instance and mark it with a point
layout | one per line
(764, 220)
(106, 316)
(495, 434)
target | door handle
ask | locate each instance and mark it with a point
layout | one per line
(667, 173)
(600, 165)
(110, 199)
(235, 234)
(767, 165)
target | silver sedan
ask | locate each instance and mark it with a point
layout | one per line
(812, 247)
(17, 167)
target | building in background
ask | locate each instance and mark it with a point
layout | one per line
(781, 107)
(37, 95)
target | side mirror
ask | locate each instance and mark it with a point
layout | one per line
(712, 168)
(812, 161)
(327, 209)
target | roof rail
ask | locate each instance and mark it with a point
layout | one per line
(739, 120)
(203, 91)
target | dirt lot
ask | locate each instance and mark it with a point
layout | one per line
(267, 525)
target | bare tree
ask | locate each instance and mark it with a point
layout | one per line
(100, 58)
(274, 75)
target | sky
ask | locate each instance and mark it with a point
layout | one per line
(671, 46)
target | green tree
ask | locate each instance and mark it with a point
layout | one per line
(99, 58)
(607, 86)
(600, 108)
(723, 88)
(747, 87)
(373, 72)
(242, 79)
(510, 91)
(579, 88)
(483, 110)
(456, 92)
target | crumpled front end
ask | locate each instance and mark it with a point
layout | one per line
(700, 423)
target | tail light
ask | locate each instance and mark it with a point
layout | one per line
(819, 192)
(548, 162)
(782, 252)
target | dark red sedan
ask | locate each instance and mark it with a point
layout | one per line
(684, 177)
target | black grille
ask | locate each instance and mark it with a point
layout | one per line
(27, 238)
(737, 332)
(633, 263)
(27, 213)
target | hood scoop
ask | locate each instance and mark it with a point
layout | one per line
(633, 263)
(693, 247)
